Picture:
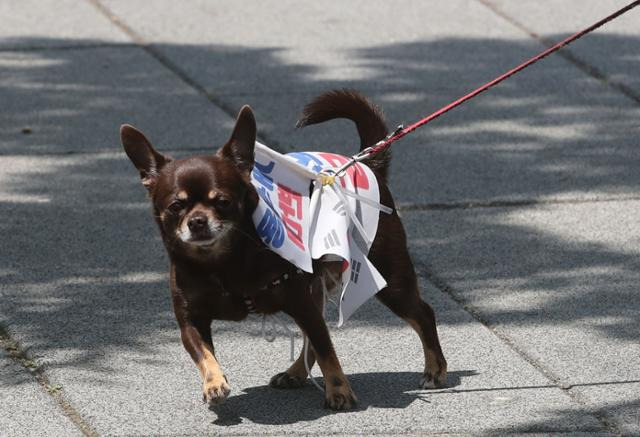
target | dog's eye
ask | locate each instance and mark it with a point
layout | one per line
(176, 207)
(222, 203)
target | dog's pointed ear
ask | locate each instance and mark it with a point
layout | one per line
(145, 158)
(240, 147)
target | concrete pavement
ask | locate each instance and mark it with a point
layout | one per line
(520, 209)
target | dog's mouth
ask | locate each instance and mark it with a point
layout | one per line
(204, 237)
(202, 242)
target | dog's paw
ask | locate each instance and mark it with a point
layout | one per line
(430, 381)
(284, 380)
(216, 390)
(340, 398)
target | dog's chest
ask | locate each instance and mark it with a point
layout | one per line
(233, 298)
(264, 293)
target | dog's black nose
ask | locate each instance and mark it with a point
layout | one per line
(197, 223)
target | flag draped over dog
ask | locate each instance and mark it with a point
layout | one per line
(301, 219)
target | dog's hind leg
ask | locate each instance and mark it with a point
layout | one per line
(403, 298)
(390, 255)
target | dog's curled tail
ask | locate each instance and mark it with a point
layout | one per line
(368, 118)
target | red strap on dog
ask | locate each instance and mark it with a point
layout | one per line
(401, 132)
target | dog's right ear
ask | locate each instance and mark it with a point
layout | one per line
(240, 147)
(145, 158)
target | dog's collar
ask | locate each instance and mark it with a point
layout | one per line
(249, 301)
(283, 278)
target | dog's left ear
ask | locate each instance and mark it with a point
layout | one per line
(240, 147)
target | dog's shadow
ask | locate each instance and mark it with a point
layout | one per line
(269, 406)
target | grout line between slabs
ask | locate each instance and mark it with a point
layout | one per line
(566, 54)
(501, 433)
(87, 46)
(438, 282)
(147, 46)
(533, 387)
(20, 356)
(516, 203)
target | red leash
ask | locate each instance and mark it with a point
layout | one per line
(402, 131)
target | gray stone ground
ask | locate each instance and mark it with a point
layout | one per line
(521, 209)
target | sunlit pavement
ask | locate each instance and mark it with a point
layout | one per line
(521, 211)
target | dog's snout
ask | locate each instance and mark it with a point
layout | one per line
(197, 223)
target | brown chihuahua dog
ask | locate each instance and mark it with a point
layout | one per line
(203, 206)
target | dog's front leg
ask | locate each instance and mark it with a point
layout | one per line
(296, 375)
(338, 393)
(196, 338)
(194, 319)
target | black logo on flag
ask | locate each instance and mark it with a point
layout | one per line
(331, 239)
(340, 209)
(355, 270)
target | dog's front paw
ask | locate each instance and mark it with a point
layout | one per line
(215, 390)
(340, 397)
(284, 380)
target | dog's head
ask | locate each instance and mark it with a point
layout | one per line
(201, 203)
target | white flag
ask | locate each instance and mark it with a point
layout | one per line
(300, 219)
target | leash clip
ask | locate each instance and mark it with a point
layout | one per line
(329, 179)
(365, 153)
(399, 129)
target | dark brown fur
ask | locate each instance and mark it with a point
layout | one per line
(210, 200)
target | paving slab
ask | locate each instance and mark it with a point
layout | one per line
(28, 24)
(551, 132)
(25, 408)
(611, 50)
(559, 281)
(249, 45)
(617, 401)
(86, 292)
(64, 101)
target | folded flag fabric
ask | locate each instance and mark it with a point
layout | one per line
(301, 219)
